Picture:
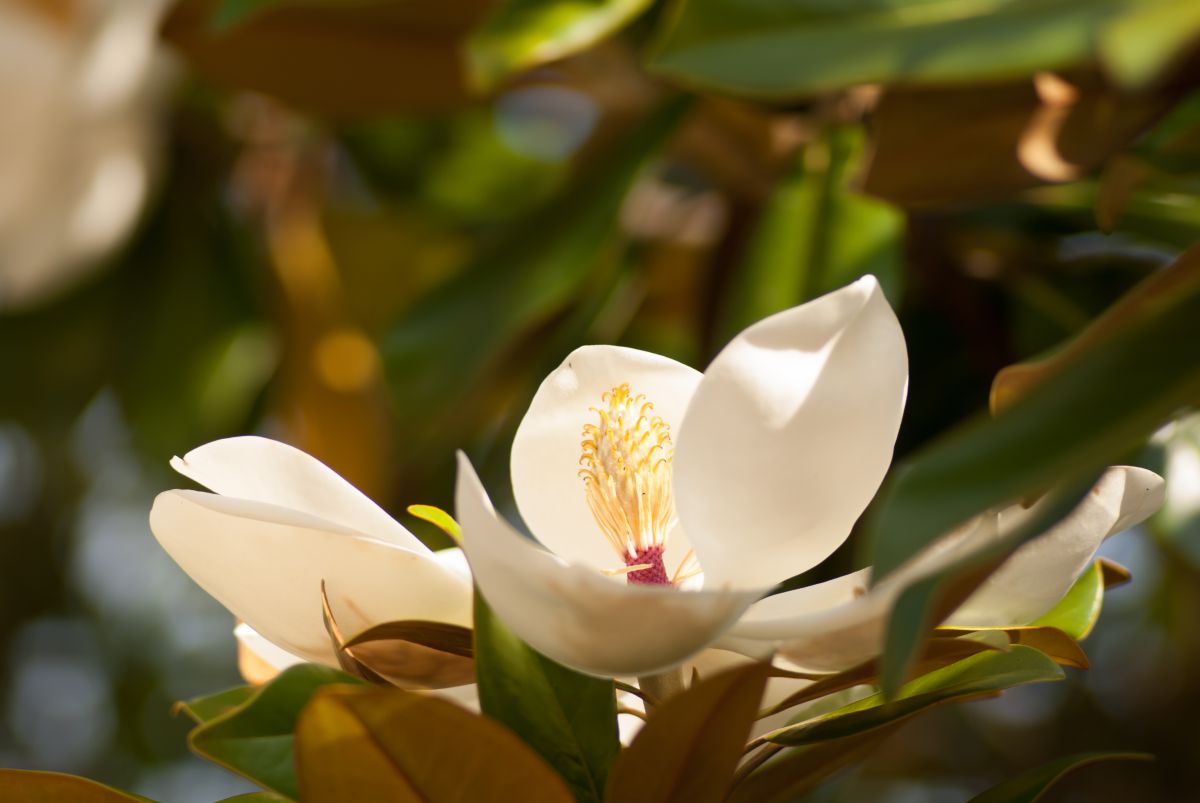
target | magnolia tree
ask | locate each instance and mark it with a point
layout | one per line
(711, 585)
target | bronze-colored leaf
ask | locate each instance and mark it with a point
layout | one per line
(1048, 640)
(356, 59)
(939, 652)
(691, 744)
(800, 770)
(1114, 574)
(411, 654)
(388, 744)
(429, 655)
(950, 144)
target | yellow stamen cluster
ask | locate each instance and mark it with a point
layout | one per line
(627, 472)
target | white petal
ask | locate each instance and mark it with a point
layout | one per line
(266, 563)
(789, 435)
(268, 471)
(821, 628)
(547, 446)
(454, 560)
(575, 615)
(1039, 574)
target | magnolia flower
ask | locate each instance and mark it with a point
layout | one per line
(79, 83)
(668, 503)
(278, 525)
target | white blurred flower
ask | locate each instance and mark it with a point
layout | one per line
(80, 84)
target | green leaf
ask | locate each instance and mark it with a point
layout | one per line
(256, 797)
(815, 235)
(978, 676)
(438, 518)
(785, 50)
(691, 744)
(522, 34)
(537, 272)
(405, 747)
(1030, 786)
(568, 718)
(255, 738)
(28, 786)
(202, 709)
(1102, 401)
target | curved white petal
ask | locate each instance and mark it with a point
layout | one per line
(1040, 573)
(266, 563)
(789, 435)
(825, 627)
(547, 446)
(575, 615)
(265, 470)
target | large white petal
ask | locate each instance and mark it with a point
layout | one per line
(1039, 574)
(266, 563)
(546, 449)
(575, 615)
(265, 470)
(789, 435)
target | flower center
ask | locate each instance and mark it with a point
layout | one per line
(626, 475)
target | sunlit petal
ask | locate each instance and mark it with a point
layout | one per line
(789, 435)
(265, 470)
(266, 564)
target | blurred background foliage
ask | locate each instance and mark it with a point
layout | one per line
(369, 228)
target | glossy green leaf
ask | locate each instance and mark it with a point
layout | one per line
(257, 797)
(211, 706)
(978, 676)
(816, 235)
(785, 50)
(521, 34)
(28, 786)
(1030, 786)
(691, 744)
(568, 718)
(255, 738)
(407, 747)
(534, 274)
